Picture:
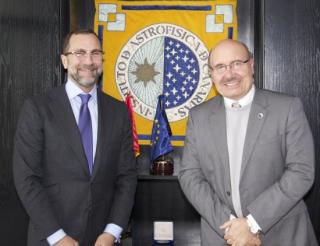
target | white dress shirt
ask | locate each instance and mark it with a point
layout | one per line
(237, 121)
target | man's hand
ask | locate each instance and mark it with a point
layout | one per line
(67, 241)
(238, 233)
(105, 239)
(255, 241)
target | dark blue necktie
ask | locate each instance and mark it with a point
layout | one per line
(85, 128)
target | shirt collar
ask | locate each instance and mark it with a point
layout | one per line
(244, 101)
(73, 91)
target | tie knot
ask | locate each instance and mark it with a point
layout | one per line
(84, 98)
(236, 105)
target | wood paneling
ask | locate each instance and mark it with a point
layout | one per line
(31, 33)
(291, 49)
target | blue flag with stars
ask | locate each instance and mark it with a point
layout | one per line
(161, 132)
(181, 73)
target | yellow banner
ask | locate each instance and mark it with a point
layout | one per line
(161, 47)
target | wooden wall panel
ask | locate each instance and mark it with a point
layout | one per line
(292, 65)
(31, 33)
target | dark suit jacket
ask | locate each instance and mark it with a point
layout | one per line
(276, 172)
(51, 173)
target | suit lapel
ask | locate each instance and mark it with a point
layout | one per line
(217, 119)
(62, 111)
(257, 117)
(105, 129)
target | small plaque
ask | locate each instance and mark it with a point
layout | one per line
(163, 231)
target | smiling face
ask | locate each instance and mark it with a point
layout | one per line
(234, 83)
(85, 70)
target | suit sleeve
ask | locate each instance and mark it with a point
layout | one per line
(298, 175)
(28, 172)
(126, 180)
(195, 185)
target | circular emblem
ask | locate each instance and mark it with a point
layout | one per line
(164, 59)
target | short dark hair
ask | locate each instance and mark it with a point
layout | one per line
(66, 40)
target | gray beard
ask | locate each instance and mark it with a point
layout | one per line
(86, 84)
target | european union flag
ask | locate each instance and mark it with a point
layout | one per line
(161, 132)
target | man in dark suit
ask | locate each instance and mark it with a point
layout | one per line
(74, 166)
(248, 159)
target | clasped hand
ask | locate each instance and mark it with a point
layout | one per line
(237, 233)
(104, 239)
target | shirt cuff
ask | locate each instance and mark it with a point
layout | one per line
(253, 223)
(55, 237)
(232, 217)
(114, 230)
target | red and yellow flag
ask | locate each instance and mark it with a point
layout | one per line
(136, 148)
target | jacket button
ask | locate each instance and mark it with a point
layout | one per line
(228, 193)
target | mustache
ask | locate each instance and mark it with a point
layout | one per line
(89, 67)
(233, 78)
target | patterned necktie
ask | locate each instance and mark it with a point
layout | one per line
(85, 128)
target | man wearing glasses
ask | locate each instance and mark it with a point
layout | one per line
(74, 166)
(248, 159)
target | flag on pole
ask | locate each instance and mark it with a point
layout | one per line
(136, 148)
(161, 132)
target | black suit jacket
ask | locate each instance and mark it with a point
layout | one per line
(51, 173)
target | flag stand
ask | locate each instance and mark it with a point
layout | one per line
(162, 166)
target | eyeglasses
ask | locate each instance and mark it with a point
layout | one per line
(234, 66)
(82, 54)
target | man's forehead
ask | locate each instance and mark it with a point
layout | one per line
(228, 52)
(83, 38)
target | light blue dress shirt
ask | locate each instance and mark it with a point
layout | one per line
(73, 92)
